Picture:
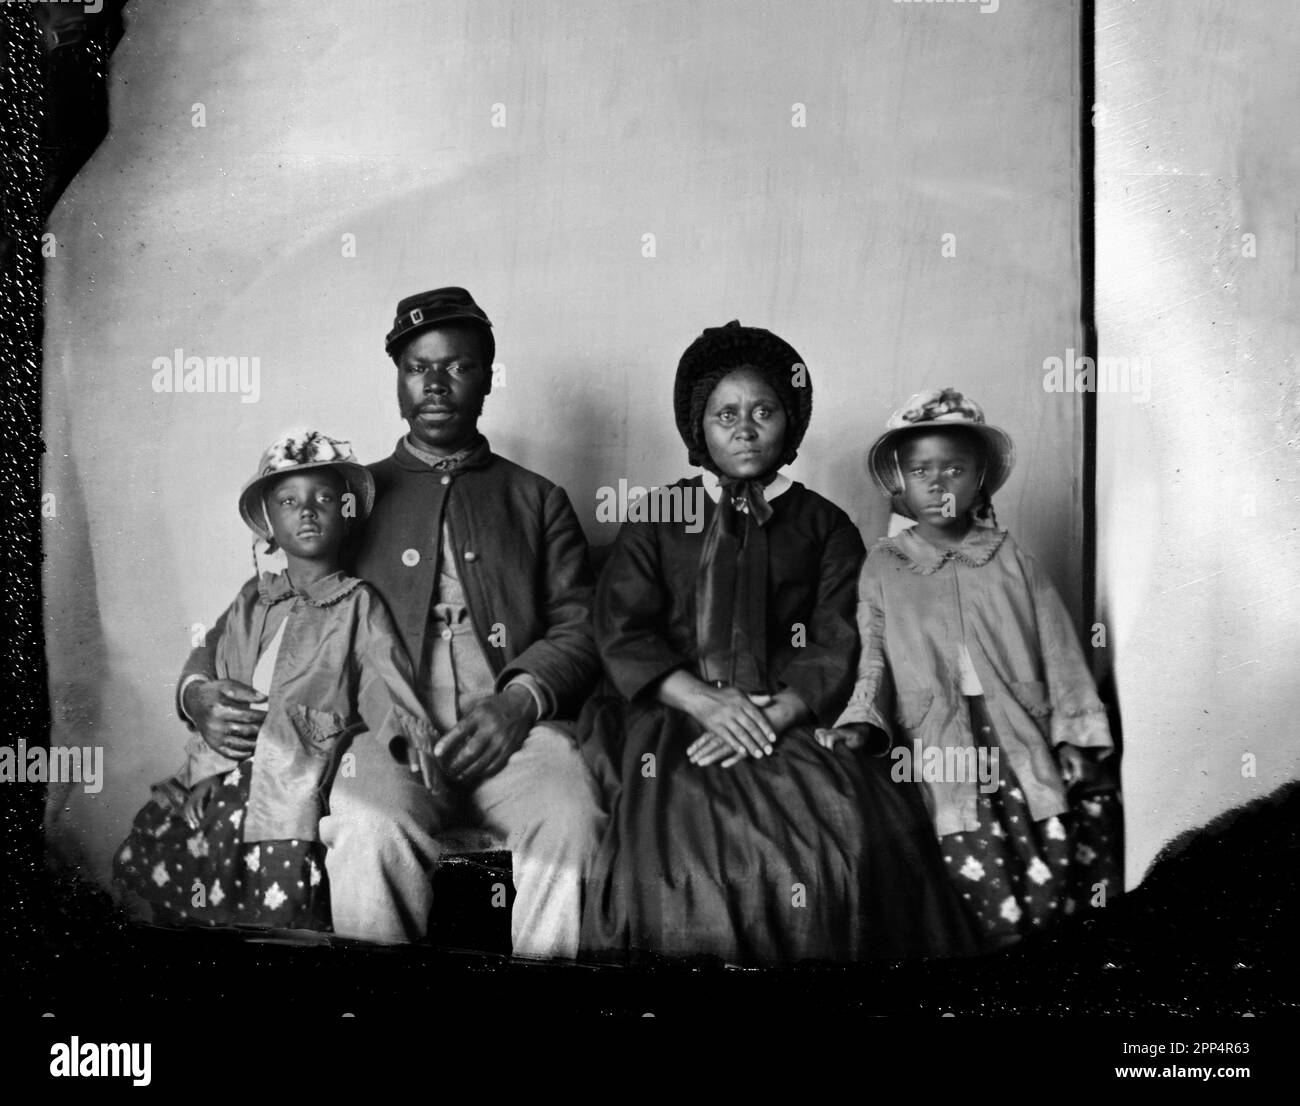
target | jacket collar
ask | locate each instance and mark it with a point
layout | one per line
(976, 549)
(275, 587)
(406, 457)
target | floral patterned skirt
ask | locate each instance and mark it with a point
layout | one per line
(209, 876)
(1017, 875)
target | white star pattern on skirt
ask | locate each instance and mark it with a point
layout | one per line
(217, 895)
(160, 875)
(1055, 830)
(1039, 872)
(1010, 910)
(198, 846)
(972, 869)
(274, 897)
(253, 860)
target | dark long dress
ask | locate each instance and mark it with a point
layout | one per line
(805, 854)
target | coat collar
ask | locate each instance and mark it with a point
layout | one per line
(275, 587)
(408, 457)
(977, 548)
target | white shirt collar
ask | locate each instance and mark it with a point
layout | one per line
(713, 486)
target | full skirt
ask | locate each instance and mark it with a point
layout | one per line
(807, 854)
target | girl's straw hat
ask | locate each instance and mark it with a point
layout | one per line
(298, 451)
(942, 408)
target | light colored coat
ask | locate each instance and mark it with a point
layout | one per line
(340, 669)
(916, 605)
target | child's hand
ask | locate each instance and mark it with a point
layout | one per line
(1088, 771)
(170, 795)
(196, 802)
(420, 760)
(858, 735)
(1072, 762)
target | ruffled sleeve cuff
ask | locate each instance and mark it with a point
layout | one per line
(861, 707)
(1085, 727)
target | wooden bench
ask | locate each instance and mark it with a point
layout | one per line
(473, 892)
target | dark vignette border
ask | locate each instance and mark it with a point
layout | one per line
(1215, 903)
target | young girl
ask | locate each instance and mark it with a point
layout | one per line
(968, 654)
(232, 837)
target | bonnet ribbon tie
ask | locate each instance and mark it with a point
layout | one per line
(731, 590)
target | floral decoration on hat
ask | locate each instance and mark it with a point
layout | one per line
(296, 451)
(939, 408)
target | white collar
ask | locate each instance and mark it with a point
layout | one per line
(713, 486)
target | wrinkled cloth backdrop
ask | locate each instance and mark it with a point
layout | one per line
(348, 156)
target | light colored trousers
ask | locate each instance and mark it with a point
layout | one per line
(381, 845)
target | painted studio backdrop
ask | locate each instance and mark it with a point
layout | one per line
(894, 188)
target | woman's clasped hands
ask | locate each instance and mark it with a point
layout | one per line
(739, 725)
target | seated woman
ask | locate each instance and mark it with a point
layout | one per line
(733, 832)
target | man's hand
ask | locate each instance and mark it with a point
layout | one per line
(221, 713)
(479, 745)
